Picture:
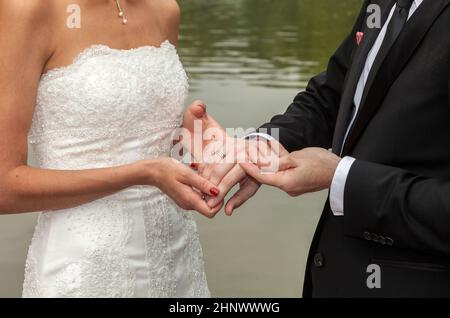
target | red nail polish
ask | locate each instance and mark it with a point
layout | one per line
(194, 165)
(214, 192)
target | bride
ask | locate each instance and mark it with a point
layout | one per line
(98, 105)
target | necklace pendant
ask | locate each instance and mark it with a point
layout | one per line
(121, 13)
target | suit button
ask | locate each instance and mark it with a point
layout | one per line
(367, 236)
(375, 238)
(318, 260)
(389, 241)
(382, 240)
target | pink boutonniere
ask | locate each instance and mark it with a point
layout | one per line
(359, 37)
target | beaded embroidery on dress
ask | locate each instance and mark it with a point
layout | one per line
(113, 107)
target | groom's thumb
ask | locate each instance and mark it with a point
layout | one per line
(255, 172)
(285, 163)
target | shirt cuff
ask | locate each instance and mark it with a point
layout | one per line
(338, 186)
(262, 135)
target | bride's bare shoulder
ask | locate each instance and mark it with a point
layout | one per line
(170, 6)
(169, 11)
(25, 16)
(25, 26)
(36, 10)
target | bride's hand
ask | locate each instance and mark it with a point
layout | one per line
(181, 184)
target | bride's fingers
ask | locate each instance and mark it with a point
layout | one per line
(200, 168)
(219, 171)
(206, 172)
(193, 115)
(203, 185)
(196, 111)
(218, 207)
(198, 204)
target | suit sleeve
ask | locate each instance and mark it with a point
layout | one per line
(412, 211)
(310, 120)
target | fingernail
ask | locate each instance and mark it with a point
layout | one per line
(211, 203)
(194, 165)
(214, 192)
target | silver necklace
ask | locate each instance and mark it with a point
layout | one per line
(121, 12)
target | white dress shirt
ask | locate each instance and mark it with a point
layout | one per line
(340, 176)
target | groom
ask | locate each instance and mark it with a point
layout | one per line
(383, 107)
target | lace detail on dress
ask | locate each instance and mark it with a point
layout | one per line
(158, 229)
(103, 271)
(32, 286)
(197, 276)
(113, 107)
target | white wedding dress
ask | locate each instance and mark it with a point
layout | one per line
(113, 107)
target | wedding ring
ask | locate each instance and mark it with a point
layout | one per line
(220, 154)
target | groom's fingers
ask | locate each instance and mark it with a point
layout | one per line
(247, 190)
(285, 163)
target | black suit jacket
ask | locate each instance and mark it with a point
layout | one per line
(397, 195)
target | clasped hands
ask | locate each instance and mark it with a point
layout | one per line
(227, 161)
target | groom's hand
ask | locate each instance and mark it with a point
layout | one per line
(305, 171)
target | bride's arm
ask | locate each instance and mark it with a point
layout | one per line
(24, 50)
(27, 189)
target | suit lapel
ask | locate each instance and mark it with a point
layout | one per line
(391, 65)
(359, 61)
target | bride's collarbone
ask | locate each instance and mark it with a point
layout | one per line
(100, 25)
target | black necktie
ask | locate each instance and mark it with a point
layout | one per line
(397, 22)
(395, 26)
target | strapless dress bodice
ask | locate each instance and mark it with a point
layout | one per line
(113, 107)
